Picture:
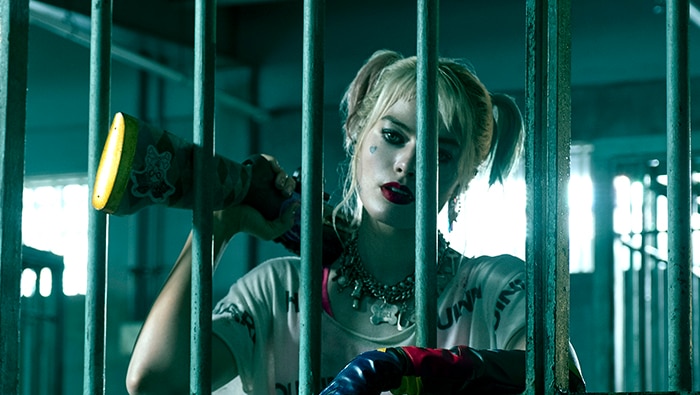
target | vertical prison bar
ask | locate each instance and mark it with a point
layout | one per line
(602, 291)
(312, 203)
(426, 173)
(679, 195)
(203, 138)
(14, 20)
(95, 294)
(548, 135)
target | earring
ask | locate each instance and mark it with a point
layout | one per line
(453, 208)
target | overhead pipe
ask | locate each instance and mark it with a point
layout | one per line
(73, 26)
(694, 14)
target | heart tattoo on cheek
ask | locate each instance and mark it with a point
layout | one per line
(372, 149)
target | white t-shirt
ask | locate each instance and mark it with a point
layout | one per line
(482, 306)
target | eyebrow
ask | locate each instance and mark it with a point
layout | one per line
(450, 140)
(395, 120)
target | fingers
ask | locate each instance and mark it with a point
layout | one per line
(283, 181)
(288, 216)
(254, 224)
(273, 162)
(269, 187)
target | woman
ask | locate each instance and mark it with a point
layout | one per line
(481, 300)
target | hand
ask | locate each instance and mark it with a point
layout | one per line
(370, 373)
(236, 219)
(414, 370)
(462, 370)
(259, 212)
(269, 186)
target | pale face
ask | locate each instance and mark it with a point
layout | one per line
(386, 168)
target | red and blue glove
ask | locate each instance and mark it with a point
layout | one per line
(369, 373)
(415, 370)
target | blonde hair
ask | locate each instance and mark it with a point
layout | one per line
(465, 109)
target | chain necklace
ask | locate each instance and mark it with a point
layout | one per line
(394, 303)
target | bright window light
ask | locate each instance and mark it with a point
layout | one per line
(28, 283)
(54, 218)
(493, 220)
(45, 282)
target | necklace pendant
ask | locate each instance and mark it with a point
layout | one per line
(383, 312)
(356, 295)
(407, 316)
(342, 282)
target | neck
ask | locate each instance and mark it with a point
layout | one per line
(386, 252)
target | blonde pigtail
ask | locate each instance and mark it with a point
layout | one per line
(507, 138)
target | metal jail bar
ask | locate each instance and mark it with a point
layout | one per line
(95, 294)
(679, 192)
(548, 137)
(13, 98)
(312, 204)
(203, 136)
(426, 172)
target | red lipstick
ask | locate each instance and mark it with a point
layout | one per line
(397, 193)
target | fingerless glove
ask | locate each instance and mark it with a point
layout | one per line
(416, 370)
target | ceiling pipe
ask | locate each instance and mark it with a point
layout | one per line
(694, 15)
(76, 27)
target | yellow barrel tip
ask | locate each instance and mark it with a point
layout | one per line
(109, 165)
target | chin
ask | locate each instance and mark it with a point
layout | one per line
(398, 219)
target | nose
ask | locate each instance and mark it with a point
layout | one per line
(405, 163)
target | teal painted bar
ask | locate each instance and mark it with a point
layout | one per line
(203, 138)
(312, 203)
(14, 22)
(95, 295)
(548, 135)
(679, 196)
(604, 275)
(426, 173)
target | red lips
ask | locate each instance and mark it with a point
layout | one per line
(397, 193)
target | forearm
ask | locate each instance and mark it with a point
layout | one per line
(160, 359)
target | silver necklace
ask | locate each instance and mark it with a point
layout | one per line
(393, 304)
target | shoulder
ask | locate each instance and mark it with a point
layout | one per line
(262, 285)
(502, 277)
(491, 272)
(280, 264)
(275, 270)
(499, 265)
